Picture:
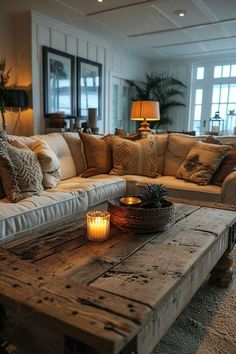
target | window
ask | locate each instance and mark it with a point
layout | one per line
(213, 89)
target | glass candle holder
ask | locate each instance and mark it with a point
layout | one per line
(98, 225)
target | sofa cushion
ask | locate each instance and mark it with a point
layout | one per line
(99, 188)
(178, 148)
(125, 135)
(20, 171)
(227, 165)
(60, 147)
(76, 148)
(49, 163)
(135, 157)
(202, 162)
(177, 188)
(21, 218)
(97, 152)
(162, 142)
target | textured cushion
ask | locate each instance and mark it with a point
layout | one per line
(178, 147)
(97, 152)
(123, 134)
(20, 171)
(49, 163)
(227, 165)
(18, 219)
(59, 146)
(76, 148)
(202, 162)
(162, 142)
(135, 157)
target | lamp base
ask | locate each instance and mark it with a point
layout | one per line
(144, 127)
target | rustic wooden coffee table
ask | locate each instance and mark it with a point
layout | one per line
(60, 293)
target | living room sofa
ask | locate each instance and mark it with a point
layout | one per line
(75, 194)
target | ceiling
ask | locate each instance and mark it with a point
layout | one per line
(150, 28)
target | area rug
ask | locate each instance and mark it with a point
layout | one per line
(206, 326)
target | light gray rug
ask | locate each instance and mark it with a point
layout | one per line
(207, 325)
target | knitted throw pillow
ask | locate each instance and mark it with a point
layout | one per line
(20, 171)
(135, 157)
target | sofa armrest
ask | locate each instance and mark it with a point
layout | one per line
(229, 189)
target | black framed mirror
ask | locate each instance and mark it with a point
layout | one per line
(89, 80)
(58, 81)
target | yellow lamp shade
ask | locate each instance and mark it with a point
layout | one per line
(145, 110)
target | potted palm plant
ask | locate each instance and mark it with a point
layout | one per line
(163, 88)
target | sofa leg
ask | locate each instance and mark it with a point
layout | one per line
(221, 274)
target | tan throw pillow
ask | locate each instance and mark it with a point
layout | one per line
(227, 165)
(125, 135)
(97, 152)
(135, 157)
(20, 171)
(202, 162)
(49, 163)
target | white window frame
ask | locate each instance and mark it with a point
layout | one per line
(207, 85)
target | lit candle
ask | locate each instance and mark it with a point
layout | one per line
(129, 201)
(98, 225)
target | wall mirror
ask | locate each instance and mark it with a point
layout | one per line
(89, 79)
(59, 80)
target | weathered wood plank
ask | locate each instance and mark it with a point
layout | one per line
(177, 299)
(91, 260)
(68, 308)
(154, 269)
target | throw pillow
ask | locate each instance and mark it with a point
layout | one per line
(49, 163)
(202, 162)
(227, 165)
(125, 135)
(20, 171)
(135, 157)
(97, 152)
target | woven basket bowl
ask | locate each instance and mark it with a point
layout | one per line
(141, 220)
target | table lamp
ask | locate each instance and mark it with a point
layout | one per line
(144, 111)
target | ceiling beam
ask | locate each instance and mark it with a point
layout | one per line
(117, 8)
(201, 25)
(192, 42)
(212, 51)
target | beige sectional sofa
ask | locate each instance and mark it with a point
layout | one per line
(74, 194)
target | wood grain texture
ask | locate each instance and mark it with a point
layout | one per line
(107, 294)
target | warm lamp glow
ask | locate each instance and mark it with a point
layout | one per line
(145, 110)
(98, 225)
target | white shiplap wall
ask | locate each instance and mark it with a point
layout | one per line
(57, 35)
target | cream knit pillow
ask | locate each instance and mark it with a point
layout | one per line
(135, 157)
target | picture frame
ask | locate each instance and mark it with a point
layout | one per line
(58, 82)
(89, 87)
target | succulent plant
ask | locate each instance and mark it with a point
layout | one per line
(152, 195)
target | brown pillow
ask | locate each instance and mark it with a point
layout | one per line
(97, 152)
(20, 171)
(227, 165)
(202, 162)
(135, 157)
(125, 135)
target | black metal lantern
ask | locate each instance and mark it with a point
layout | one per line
(216, 124)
